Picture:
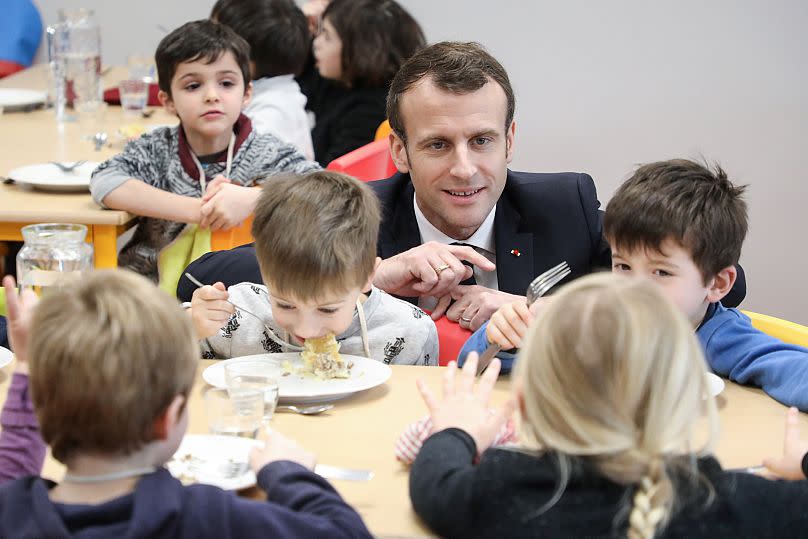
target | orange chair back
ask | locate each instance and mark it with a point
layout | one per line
(370, 162)
(221, 240)
(451, 338)
(383, 130)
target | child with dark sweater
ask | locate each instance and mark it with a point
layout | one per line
(111, 398)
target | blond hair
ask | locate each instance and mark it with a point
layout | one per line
(108, 355)
(316, 233)
(612, 373)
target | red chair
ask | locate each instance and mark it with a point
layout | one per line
(8, 67)
(451, 338)
(370, 162)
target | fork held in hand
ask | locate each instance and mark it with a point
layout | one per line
(536, 289)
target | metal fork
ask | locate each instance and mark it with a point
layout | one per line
(68, 168)
(536, 289)
(221, 469)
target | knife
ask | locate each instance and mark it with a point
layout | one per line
(344, 474)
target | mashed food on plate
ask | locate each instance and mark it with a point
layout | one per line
(321, 358)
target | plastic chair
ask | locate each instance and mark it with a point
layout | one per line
(370, 162)
(451, 338)
(221, 240)
(383, 131)
(789, 332)
(7, 68)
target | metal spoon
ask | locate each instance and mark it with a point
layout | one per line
(305, 410)
(99, 139)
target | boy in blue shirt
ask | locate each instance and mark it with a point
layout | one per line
(683, 226)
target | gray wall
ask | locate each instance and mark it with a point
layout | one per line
(603, 86)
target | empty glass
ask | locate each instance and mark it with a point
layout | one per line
(51, 253)
(234, 412)
(259, 375)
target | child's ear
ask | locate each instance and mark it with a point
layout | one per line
(398, 151)
(721, 284)
(248, 91)
(167, 102)
(168, 422)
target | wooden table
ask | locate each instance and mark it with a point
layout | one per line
(360, 432)
(35, 137)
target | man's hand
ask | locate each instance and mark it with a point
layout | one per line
(465, 406)
(210, 309)
(473, 305)
(789, 466)
(431, 269)
(20, 309)
(229, 206)
(279, 447)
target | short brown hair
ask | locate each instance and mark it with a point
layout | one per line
(316, 233)
(684, 201)
(108, 355)
(459, 68)
(377, 37)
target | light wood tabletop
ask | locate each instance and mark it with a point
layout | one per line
(35, 137)
(360, 432)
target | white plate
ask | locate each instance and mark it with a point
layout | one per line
(48, 176)
(715, 383)
(12, 99)
(5, 357)
(212, 453)
(365, 374)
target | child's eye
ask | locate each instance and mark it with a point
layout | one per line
(619, 266)
(192, 86)
(662, 273)
(228, 83)
(284, 306)
(326, 310)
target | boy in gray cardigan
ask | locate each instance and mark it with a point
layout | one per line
(204, 171)
(315, 240)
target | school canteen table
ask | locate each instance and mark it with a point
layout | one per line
(34, 137)
(360, 432)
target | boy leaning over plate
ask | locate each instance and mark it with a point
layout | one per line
(203, 171)
(315, 240)
(110, 391)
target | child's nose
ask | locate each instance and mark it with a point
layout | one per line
(308, 329)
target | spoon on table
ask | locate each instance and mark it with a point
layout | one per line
(305, 410)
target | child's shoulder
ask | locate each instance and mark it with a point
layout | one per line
(397, 309)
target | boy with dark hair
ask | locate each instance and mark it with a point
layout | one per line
(315, 239)
(279, 40)
(204, 170)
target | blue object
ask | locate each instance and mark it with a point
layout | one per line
(3, 332)
(20, 31)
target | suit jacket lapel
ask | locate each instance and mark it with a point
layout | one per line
(514, 249)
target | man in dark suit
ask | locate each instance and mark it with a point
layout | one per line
(460, 232)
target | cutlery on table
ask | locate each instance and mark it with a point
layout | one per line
(344, 474)
(68, 168)
(304, 410)
(536, 289)
(99, 139)
(232, 469)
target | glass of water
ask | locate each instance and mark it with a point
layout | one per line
(234, 413)
(134, 93)
(258, 375)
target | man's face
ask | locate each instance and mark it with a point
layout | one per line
(457, 153)
(673, 269)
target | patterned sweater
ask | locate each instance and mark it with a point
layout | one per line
(399, 332)
(163, 160)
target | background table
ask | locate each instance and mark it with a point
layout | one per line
(360, 432)
(35, 137)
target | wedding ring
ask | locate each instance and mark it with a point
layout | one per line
(466, 320)
(441, 268)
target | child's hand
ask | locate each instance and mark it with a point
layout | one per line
(214, 186)
(210, 309)
(279, 447)
(789, 466)
(509, 323)
(228, 207)
(465, 406)
(20, 309)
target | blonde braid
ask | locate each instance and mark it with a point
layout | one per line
(652, 502)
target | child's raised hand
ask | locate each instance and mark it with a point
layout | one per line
(279, 447)
(20, 309)
(228, 207)
(465, 403)
(210, 309)
(509, 323)
(789, 466)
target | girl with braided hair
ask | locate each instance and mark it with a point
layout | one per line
(615, 434)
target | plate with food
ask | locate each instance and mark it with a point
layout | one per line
(5, 356)
(221, 461)
(319, 373)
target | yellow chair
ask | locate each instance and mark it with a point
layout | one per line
(784, 330)
(383, 130)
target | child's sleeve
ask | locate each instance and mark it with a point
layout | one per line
(734, 348)
(478, 342)
(430, 349)
(284, 157)
(137, 161)
(22, 450)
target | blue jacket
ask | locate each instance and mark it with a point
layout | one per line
(732, 347)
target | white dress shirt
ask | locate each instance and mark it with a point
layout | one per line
(482, 241)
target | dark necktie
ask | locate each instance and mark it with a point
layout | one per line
(470, 280)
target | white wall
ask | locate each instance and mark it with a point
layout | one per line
(602, 86)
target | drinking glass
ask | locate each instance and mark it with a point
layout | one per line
(52, 252)
(258, 375)
(234, 412)
(134, 93)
